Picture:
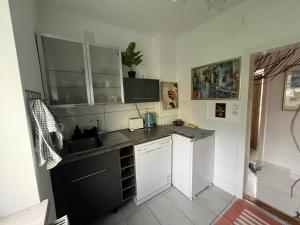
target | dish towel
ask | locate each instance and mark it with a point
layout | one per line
(46, 132)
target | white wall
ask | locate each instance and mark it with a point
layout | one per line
(246, 26)
(25, 184)
(24, 20)
(164, 55)
(18, 186)
(71, 25)
(156, 64)
(279, 148)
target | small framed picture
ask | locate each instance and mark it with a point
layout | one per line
(291, 95)
(220, 110)
(169, 95)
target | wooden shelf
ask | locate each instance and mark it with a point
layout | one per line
(126, 151)
(128, 194)
(126, 188)
(126, 156)
(126, 167)
(130, 197)
(128, 183)
(127, 173)
(127, 177)
(126, 161)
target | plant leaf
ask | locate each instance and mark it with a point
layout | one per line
(129, 57)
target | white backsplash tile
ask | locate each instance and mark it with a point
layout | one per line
(116, 116)
(168, 119)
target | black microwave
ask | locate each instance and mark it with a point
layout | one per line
(140, 90)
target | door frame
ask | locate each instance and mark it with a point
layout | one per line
(246, 71)
(264, 99)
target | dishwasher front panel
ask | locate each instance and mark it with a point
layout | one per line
(153, 168)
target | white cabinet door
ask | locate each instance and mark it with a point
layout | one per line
(181, 170)
(153, 168)
(203, 164)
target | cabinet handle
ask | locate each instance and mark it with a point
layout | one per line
(154, 150)
(90, 175)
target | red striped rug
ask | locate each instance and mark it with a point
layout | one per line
(243, 213)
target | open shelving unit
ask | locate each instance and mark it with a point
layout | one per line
(127, 173)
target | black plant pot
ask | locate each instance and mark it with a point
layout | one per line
(131, 74)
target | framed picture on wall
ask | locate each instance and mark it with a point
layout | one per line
(169, 95)
(291, 95)
(220, 110)
(220, 80)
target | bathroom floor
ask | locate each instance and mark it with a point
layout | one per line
(272, 185)
(172, 207)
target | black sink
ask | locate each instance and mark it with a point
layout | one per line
(79, 145)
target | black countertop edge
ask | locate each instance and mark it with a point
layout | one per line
(138, 137)
(71, 157)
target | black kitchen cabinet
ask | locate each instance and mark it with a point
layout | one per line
(140, 90)
(87, 188)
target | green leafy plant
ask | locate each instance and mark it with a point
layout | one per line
(131, 58)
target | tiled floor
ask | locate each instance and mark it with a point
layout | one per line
(172, 208)
(272, 185)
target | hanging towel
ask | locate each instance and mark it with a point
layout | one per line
(46, 133)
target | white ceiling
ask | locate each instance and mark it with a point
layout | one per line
(146, 16)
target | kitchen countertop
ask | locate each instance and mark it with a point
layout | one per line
(112, 141)
(123, 138)
(193, 133)
(144, 135)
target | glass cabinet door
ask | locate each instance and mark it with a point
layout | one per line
(106, 74)
(65, 75)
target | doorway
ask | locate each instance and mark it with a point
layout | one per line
(257, 94)
(273, 160)
(258, 118)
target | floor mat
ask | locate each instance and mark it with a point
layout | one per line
(244, 213)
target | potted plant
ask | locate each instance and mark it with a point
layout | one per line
(130, 58)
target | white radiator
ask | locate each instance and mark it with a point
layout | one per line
(62, 221)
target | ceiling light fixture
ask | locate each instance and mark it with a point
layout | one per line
(215, 6)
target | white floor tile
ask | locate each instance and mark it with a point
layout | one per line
(123, 222)
(128, 209)
(197, 212)
(142, 217)
(167, 213)
(223, 194)
(212, 201)
(171, 208)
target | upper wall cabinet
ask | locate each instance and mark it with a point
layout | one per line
(141, 90)
(64, 71)
(79, 73)
(105, 66)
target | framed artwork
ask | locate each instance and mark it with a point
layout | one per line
(291, 95)
(220, 110)
(219, 80)
(169, 95)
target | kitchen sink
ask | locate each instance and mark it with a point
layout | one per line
(83, 144)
